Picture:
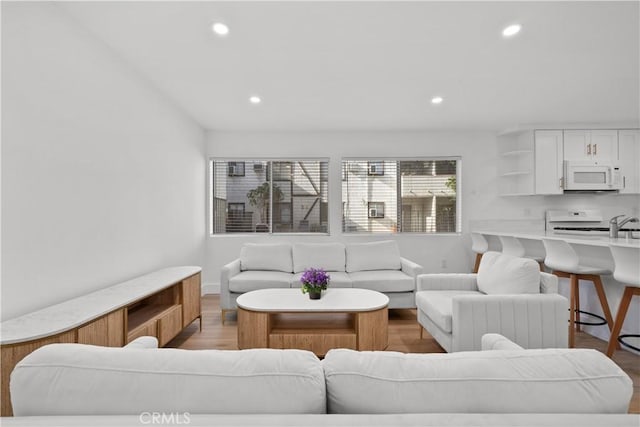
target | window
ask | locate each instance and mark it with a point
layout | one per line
(376, 209)
(235, 216)
(235, 169)
(376, 168)
(236, 209)
(277, 196)
(281, 171)
(402, 196)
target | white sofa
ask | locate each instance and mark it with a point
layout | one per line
(376, 265)
(508, 295)
(75, 384)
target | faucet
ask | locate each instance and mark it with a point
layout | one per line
(614, 225)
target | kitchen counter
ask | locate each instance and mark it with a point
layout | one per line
(592, 250)
(596, 240)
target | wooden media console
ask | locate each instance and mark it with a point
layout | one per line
(159, 304)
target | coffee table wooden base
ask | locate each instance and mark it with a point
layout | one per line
(315, 331)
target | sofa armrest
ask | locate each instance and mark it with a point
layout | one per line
(143, 342)
(498, 342)
(409, 267)
(530, 320)
(447, 282)
(548, 283)
(227, 272)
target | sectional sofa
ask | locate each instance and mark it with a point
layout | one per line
(376, 265)
(76, 384)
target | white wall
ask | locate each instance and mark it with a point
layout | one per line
(102, 178)
(481, 204)
(477, 184)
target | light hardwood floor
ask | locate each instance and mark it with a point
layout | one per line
(404, 336)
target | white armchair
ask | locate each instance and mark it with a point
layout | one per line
(508, 296)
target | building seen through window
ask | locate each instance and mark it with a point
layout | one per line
(289, 196)
(393, 196)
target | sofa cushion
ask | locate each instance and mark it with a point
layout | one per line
(266, 256)
(438, 306)
(373, 256)
(338, 279)
(383, 281)
(76, 379)
(530, 381)
(253, 280)
(328, 256)
(505, 274)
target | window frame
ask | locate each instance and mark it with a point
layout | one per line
(267, 161)
(398, 195)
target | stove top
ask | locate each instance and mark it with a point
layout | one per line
(593, 229)
(589, 230)
(584, 222)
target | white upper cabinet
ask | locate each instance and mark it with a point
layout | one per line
(577, 144)
(604, 144)
(548, 162)
(594, 145)
(530, 162)
(629, 151)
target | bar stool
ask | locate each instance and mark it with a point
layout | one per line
(479, 245)
(563, 260)
(512, 246)
(627, 271)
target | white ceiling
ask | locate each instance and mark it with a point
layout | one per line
(376, 65)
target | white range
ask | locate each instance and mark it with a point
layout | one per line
(585, 222)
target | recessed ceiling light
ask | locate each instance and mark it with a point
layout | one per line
(511, 30)
(255, 100)
(436, 100)
(220, 29)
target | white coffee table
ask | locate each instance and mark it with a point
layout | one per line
(287, 318)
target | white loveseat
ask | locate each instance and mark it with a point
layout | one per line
(376, 265)
(75, 384)
(508, 295)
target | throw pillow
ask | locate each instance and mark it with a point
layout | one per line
(383, 255)
(266, 256)
(328, 256)
(505, 274)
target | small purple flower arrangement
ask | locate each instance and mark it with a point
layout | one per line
(314, 281)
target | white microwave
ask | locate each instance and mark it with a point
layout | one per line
(591, 176)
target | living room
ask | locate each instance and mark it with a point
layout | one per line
(113, 113)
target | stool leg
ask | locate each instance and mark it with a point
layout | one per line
(572, 310)
(603, 301)
(622, 312)
(477, 263)
(421, 332)
(577, 307)
(597, 282)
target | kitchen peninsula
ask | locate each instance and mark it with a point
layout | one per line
(592, 250)
(584, 240)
